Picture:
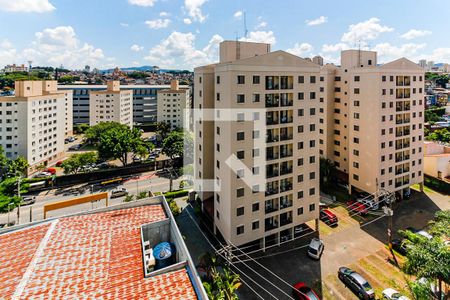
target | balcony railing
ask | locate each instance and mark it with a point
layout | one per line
(286, 154)
(272, 102)
(272, 156)
(271, 174)
(285, 137)
(285, 204)
(270, 225)
(270, 121)
(286, 119)
(286, 188)
(271, 191)
(272, 138)
(285, 171)
(285, 221)
(287, 103)
(271, 208)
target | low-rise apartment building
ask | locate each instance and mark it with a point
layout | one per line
(34, 122)
(111, 105)
(172, 103)
(373, 119)
(249, 86)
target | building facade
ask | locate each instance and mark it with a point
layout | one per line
(144, 101)
(172, 104)
(33, 122)
(373, 121)
(282, 90)
(111, 105)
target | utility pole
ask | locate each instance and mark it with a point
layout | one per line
(389, 211)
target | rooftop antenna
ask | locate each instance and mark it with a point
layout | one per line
(29, 69)
(245, 25)
(359, 53)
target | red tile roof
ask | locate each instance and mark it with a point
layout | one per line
(94, 256)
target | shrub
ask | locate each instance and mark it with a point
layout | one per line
(174, 208)
(142, 195)
(175, 194)
(128, 198)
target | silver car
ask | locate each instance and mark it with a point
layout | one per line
(315, 248)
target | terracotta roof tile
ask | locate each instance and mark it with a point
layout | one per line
(94, 256)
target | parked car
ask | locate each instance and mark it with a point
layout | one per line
(26, 200)
(119, 192)
(42, 175)
(369, 202)
(401, 246)
(75, 147)
(137, 159)
(328, 217)
(69, 140)
(420, 232)
(315, 248)
(51, 171)
(356, 283)
(302, 292)
(59, 163)
(391, 294)
(357, 208)
(103, 165)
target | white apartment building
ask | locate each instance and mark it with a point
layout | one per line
(111, 105)
(172, 103)
(283, 90)
(33, 122)
(373, 117)
(15, 68)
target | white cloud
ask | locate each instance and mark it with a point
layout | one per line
(261, 25)
(187, 21)
(39, 6)
(158, 23)
(194, 9)
(124, 24)
(439, 55)
(144, 3)
(260, 37)
(136, 48)
(178, 51)
(60, 45)
(164, 14)
(320, 20)
(334, 48)
(300, 49)
(8, 54)
(365, 31)
(388, 52)
(414, 33)
(238, 14)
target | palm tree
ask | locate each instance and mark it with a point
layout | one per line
(223, 286)
(327, 171)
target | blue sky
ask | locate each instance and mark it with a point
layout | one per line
(186, 33)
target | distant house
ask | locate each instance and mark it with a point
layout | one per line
(437, 160)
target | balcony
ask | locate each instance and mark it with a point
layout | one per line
(272, 100)
(272, 173)
(271, 154)
(286, 168)
(271, 223)
(272, 118)
(271, 206)
(286, 82)
(286, 117)
(286, 153)
(286, 185)
(287, 100)
(285, 202)
(285, 218)
(271, 189)
(272, 138)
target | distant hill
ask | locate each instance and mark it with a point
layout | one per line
(142, 69)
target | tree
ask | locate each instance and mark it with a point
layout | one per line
(94, 132)
(3, 160)
(74, 164)
(17, 166)
(163, 130)
(223, 285)
(328, 171)
(430, 258)
(116, 143)
(80, 128)
(173, 147)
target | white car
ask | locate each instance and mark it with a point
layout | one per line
(369, 202)
(43, 174)
(391, 294)
(119, 192)
(315, 248)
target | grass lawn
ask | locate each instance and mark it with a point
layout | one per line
(416, 187)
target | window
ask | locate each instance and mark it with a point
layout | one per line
(218, 130)
(355, 127)
(300, 211)
(300, 145)
(240, 154)
(312, 207)
(356, 91)
(312, 175)
(217, 214)
(355, 165)
(240, 211)
(312, 79)
(312, 191)
(218, 79)
(240, 173)
(218, 96)
(299, 194)
(312, 95)
(240, 230)
(218, 164)
(240, 136)
(240, 79)
(255, 206)
(300, 128)
(301, 79)
(255, 152)
(356, 103)
(255, 225)
(300, 162)
(356, 115)
(300, 178)
(312, 127)
(312, 111)
(256, 79)
(383, 78)
(312, 143)
(256, 97)
(301, 96)
(217, 147)
(240, 98)
(240, 192)
(355, 177)
(300, 112)
(312, 159)
(356, 78)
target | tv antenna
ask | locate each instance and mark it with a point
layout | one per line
(245, 25)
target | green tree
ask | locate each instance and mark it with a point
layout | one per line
(223, 286)
(430, 258)
(163, 130)
(328, 172)
(18, 166)
(173, 147)
(116, 143)
(80, 128)
(74, 164)
(94, 132)
(3, 160)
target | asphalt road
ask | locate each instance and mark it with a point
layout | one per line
(145, 182)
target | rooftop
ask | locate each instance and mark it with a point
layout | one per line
(97, 255)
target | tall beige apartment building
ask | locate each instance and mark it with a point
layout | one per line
(171, 105)
(372, 121)
(34, 122)
(282, 90)
(111, 105)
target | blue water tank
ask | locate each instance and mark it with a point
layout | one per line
(164, 254)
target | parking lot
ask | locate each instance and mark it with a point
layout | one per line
(357, 243)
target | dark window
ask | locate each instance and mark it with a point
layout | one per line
(240, 136)
(241, 79)
(240, 230)
(312, 79)
(301, 79)
(301, 96)
(240, 154)
(256, 79)
(240, 211)
(218, 79)
(240, 192)
(255, 206)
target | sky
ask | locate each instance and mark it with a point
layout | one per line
(183, 34)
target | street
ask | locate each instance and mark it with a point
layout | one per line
(144, 182)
